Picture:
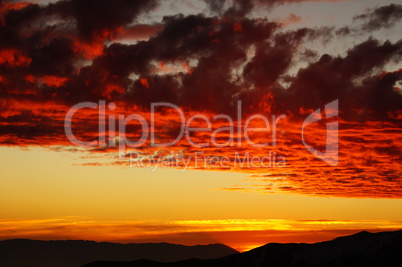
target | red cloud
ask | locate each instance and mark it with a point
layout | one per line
(14, 58)
(52, 81)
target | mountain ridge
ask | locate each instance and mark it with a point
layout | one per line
(69, 253)
(360, 249)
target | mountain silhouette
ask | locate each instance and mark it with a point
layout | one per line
(361, 249)
(74, 253)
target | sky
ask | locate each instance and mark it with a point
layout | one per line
(197, 122)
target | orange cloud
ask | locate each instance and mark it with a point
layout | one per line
(144, 82)
(30, 78)
(369, 153)
(52, 81)
(291, 19)
(137, 32)
(14, 58)
(110, 88)
(88, 50)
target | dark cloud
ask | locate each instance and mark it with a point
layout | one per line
(216, 46)
(50, 42)
(381, 17)
(94, 18)
(223, 69)
(13, 21)
(55, 58)
(241, 8)
(215, 6)
(332, 78)
(238, 8)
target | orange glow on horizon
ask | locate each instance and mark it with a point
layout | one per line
(241, 235)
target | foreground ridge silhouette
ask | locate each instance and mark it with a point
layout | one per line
(74, 253)
(361, 249)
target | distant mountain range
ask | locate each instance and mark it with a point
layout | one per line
(361, 249)
(33, 253)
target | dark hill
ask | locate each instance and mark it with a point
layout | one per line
(27, 253)
(361, 249)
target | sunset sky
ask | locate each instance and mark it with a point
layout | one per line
(221, 62)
